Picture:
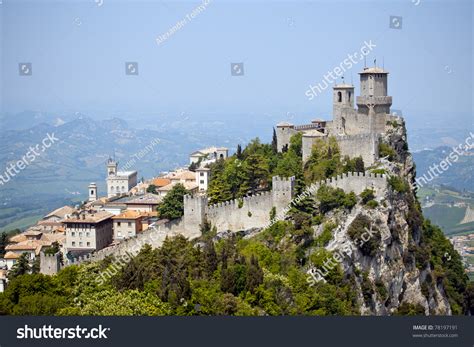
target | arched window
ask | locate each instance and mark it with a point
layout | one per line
(349, 96)
(339, 97)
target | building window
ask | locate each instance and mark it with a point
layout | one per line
(349, 96)
(73, 243)
(129, 224)
(339, 97)
(73, 233)
(201, 174)
(88, 234)
(118, 224)
(80, 243)
(201, 181)
(80, 234)
(88, 244)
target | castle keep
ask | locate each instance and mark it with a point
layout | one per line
(356, 130)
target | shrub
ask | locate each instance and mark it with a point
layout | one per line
(386, 150)
(358, 231)
(398, 184)
(372, 204)
(381, 290)
(367, 195)
(326, 235)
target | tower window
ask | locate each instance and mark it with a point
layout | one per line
(349, 95)
(339, 97)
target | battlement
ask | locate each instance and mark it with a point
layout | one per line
(303, 127)
(235, 203)
(356, 182)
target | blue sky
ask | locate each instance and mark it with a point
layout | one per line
(78, 52)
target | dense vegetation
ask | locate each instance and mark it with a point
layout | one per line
(250, 170)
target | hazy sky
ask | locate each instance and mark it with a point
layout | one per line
(78, 51)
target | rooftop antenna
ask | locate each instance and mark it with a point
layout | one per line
(375, 62)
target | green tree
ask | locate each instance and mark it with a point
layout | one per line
(172, 206)
(3, 243)
(274, 142)
(151, 189)
(21, 267)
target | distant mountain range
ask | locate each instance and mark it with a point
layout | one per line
(460, 175)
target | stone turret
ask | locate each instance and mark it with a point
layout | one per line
(50, 264)
(373, 91)
(283, 190)
(195, 211)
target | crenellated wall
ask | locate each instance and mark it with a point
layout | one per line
(234, 215)
(355, 182)
(239, 214)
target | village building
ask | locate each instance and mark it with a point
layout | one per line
(88, 231)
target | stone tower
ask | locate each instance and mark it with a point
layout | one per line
(284, 131)
(111, 167)
(50, 264)
(343, 106)
(373, 91)
(283, 190)
(195, 210)
(92, 192)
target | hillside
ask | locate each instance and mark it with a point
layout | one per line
(335, 253)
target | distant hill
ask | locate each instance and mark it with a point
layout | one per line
(459, 175)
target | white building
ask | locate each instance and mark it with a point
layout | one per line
(208, 155)
(202, 178)
(119, 182)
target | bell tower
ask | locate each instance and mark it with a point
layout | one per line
(342, 106)
(111, 167)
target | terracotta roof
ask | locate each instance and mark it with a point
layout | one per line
(18, 238)
(61, 212)
(181, 175)
(128, 214)
(29, 245)
(160, 181)
(187, 185)
(11, 255)
(89, 217)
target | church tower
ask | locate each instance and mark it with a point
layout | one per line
(92, 192)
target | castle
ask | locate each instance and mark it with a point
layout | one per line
(357, 131)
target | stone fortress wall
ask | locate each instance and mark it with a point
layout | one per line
(232, 215)
(355, 182)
